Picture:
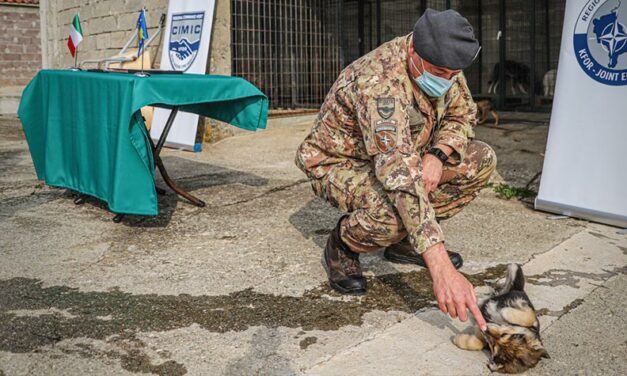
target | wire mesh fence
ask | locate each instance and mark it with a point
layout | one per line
(294, 50)
(289, 49)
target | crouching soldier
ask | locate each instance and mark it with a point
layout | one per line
(393, 147)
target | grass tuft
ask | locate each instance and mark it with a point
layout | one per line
(506, 192)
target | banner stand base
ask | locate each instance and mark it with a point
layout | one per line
(176, 145)
(583, 213)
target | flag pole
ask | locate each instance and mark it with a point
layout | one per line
(141, 70)
(139, 41)
(76, 52)
(75, 68)
(144, 14)
(142, 61)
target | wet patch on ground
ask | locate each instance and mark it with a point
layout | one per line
(308, 341)
(99, 315)
(563, 277)
(574, 304)
(136, 361)
(129, 352)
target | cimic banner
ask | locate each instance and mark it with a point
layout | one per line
(186, 48)
(585, 166)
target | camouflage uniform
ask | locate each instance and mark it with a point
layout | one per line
(363, 154)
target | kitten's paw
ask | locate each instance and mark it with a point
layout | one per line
(468, 342)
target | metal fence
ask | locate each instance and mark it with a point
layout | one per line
(289, 49)
(294, 50)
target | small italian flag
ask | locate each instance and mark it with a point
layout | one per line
(76, 35)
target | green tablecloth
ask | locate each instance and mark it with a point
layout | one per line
(85, 130)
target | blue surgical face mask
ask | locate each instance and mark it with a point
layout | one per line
(433, 85)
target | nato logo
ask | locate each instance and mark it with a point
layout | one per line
(185, 39)
(601, 41)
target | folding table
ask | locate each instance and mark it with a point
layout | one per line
(85, 131)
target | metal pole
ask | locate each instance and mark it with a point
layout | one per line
(480, 37)
(547, 34)
(143, 36)
(378, 23)
(340, 31)
(234, 25)
(532, 55)
(76, 52)
(166, 129)
(448, 4)
(370, 26)
(360, 27)
(502, 55)
(293, 79)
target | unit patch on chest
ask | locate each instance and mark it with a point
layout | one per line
(385, 135)
(385, 107)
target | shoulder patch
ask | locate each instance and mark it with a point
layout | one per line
(386, 107)
(385, 135)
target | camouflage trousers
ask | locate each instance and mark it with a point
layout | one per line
(374, 222)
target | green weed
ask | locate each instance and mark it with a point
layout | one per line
(506, 192)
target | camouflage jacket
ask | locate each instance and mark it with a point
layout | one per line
(376, 115)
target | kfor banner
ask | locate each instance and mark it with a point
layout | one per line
(186, 49)
(585, 168)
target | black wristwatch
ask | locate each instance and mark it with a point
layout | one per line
(439, 154)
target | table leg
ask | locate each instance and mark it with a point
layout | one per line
(179, 191)
(159, 163)
(80, 199)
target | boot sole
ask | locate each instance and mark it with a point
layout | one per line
(337, 287)
(344, 291)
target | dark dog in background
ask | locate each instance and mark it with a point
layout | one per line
(513, 334)
(516, 73)
(485, 107)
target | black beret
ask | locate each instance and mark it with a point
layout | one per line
(445, 39)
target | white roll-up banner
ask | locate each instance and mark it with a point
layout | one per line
(585, 166)
(186, 48)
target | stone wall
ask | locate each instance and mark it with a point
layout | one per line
(20, 47)
(108, 24)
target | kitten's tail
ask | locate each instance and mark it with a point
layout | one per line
(515, 280)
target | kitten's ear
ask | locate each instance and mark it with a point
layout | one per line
(542, 351)
(519, 278)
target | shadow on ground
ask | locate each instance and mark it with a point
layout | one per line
(315, 220)
(190, 175)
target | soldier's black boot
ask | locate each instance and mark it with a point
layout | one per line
(342, 265)
(403, 253)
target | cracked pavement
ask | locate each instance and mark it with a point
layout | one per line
(236, 288)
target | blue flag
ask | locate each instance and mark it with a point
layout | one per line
(142, 31)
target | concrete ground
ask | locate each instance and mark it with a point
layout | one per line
(236, 288)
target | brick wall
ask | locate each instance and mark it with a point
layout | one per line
(20, 46)
(108, 24)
